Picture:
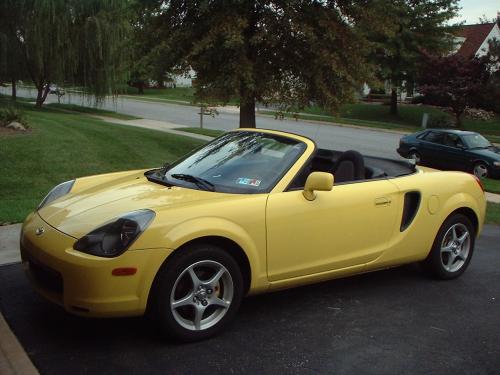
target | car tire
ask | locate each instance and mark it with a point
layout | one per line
(197, 293)
(452, 248)
(480, 169)
(415, 155)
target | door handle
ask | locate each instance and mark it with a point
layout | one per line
(382, 201)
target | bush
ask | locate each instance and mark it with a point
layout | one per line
(11, 114)
(478, 114)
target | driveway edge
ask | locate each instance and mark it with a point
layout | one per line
(13, 358)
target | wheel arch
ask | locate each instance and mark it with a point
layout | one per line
(468, 213)
(229, 246)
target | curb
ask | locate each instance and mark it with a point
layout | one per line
(317, 122)
(13, 358)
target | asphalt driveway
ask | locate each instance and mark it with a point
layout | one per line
(391, 322)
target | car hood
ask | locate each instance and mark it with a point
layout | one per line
(80, 212)
(493, 153)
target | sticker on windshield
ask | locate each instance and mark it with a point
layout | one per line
(248, 181)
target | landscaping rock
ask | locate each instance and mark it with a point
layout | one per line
(16, 126)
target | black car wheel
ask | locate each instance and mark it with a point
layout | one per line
(196, 293)
(414, 155)
(480, 169)
(452, 249)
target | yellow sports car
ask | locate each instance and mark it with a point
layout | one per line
(252, 211)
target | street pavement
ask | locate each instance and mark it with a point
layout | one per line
(368, 142)
(389, 322)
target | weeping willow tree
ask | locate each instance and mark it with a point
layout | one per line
(71, 42)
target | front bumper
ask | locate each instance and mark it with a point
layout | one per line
(402, 151)
(83, 284)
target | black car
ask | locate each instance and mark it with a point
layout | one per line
(452, 149)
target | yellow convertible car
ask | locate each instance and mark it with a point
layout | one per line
(252, 211)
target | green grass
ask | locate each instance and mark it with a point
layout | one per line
(91, 111)
(181, 94)
(491, 185)
(178, 95)
(62, 146)
(344, 121)
(493, 213)
(209, 132)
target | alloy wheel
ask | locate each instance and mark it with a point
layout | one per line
(455, 247)
(481, 170)
(202, 295)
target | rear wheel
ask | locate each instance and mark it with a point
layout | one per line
(452, 249)
(197, 293)
(480, 170)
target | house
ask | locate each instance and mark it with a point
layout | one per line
(472, 40)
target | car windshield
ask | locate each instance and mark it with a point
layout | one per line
(244, 162)
(476, 141)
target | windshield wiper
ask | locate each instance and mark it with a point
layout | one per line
(198, 181)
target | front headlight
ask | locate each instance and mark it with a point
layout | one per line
(112, 239)
(57, 192)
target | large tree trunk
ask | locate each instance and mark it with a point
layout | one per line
(42, 94)
(394, 101)
(458, 120)
(140, 87)
(14, 89)
(247, 112)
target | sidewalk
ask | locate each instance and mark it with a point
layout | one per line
(493, 198)
(164, 126)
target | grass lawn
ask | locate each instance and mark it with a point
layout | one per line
(493, 213)
(181, 94)
(62, 146)
(91, 111)
(209, 132)
(491, 185)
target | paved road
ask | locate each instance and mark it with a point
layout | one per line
(368, 142)
(389, 322)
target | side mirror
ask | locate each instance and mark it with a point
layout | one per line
(317, 181)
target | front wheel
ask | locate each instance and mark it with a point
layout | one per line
(480, 170)
(197, 293)
(452, 249)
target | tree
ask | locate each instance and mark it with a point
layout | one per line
(291, 51)
(416, 27)
(456, 79)
(10, 68)
(489, 98)
(68, 41)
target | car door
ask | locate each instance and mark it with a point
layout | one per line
(431, 148)
(347, 226)
(453, 156)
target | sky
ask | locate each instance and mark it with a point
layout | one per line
(473, 9)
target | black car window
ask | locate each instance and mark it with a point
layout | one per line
(434, 137)
(422, 136)
(452, 140)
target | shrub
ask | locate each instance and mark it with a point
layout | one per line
(11, 114)
(478, 114)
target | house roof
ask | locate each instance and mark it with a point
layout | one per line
(474, 37)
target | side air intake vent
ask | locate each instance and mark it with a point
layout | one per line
(410, 209)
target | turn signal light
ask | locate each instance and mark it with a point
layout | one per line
(124, 271)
